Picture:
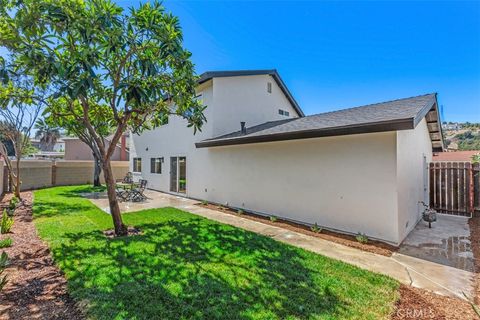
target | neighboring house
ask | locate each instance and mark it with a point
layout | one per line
(75, 149)
(455, 155)
(452, 126)
(57, 152)
(356, 170)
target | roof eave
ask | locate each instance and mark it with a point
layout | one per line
(432, 104)
(385, 126)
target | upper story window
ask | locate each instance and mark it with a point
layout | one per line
(269, 87)
(137, 164)
(156, 165)
(283, 112)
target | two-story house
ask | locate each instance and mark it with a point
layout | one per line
(355, 170)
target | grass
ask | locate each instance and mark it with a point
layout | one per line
(187, 267)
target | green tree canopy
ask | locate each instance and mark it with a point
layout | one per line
(128, 67)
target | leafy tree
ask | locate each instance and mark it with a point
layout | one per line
(20, 107)
(127, 68)
(77, 129)
(6, 142)
(476, 158)
(47, 134)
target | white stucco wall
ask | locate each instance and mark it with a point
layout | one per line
(414, 152)
(246, 99)
(346, 183)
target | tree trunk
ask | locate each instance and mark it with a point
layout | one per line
(97, 171)
(18, 182)
(120, 228)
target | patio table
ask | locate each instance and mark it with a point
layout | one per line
(126, 186)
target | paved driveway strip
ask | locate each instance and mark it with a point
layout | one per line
(441, 279)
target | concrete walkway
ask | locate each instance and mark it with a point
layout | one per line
(441, 279)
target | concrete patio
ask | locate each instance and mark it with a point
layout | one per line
(446, 243)
(412, 265)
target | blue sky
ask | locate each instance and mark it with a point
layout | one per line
(341, 54)
(335, 55)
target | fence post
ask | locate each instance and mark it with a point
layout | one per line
(54, 173)
(432, 185)
(470, 188)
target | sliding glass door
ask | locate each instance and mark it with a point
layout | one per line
(178, 174)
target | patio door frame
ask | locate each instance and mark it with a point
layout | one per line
(177, 179)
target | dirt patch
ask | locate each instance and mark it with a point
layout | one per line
(347, 240)
(416, 303)
(474, 224)
(36, 288)
(131, 231)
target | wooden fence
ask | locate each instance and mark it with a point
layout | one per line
(455, 187)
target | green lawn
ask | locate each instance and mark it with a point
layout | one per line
(188, 267)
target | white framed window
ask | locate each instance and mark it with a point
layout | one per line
(156, 165)
(269, 87)
(137, 164)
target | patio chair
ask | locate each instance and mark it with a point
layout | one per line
(122, 194)
(137, 193)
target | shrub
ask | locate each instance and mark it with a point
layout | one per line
(13, 203)
(239, 211)
(5, 243)
(6, 223)
(362, 238)
(204, 202)
(273, 218)
(316, 228)
(3, 265)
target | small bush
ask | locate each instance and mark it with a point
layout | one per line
(3, 265)
(316, 228)
(362, 238)
(5, 243)
(273, 218)
(10, 212)
(6, 223)
(13, 203)
(204, 202)
(239, 211)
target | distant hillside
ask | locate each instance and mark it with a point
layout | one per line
(461, 136)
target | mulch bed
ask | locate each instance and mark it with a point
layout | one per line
(417, 303)
(347, 240)
(36, 288)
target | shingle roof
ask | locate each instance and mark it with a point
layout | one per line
(237, 73)
(393, 115)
